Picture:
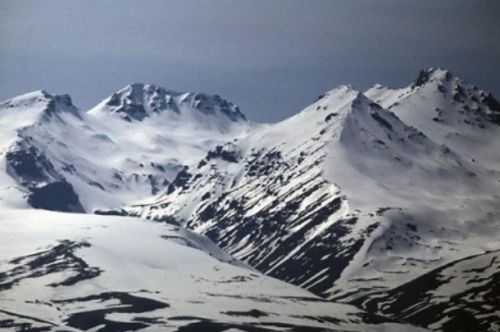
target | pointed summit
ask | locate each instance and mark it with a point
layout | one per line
(448, 110)
(40, 102)
(361, 100)
(432, 74)
(367, 122)
(27, 99)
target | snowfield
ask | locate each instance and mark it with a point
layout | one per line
(90, 273)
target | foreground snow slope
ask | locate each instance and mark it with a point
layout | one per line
(125, 149)
(463, 295)
(81, 272)
(342, 199)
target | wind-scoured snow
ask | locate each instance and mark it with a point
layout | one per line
(77, 272)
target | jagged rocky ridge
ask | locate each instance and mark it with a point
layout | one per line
(60, 158)
(449, 111)
(139, 101)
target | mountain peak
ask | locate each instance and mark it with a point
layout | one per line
(28, 98)
(361, 100)
(137, 101)
(361, 104)
(342, 89)
(342, 94)
(368, 124)
(431, 75)
(41, 99)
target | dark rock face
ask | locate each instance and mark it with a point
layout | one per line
(129, 106)
(201, 324)
(19, 322)
(133, 111)
(494, 105)
(58, 258)
(270, 231)
(180, 180)
(157, 183)
(381, 120)
(28, 164)
(30, 167)
(210, 103)
(266, 218)
(135, 101)
(423, 77)
(60, 103)
(426, 75)
(420, 301)
(55, 196)
(226, 152)
(116, 212)
(128, 303)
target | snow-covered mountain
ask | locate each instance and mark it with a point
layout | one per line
(342, 199)
(71, 272)
(138, 102)
(449, 111)
(354, 198)
(128, 147)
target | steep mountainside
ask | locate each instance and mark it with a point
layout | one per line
(449, 111)
(463, 295)
(71, 272)
(59, 158)
(342, 199)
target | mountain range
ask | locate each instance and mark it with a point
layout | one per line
(369, 210)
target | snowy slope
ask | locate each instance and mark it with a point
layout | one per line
(264, 199)
(343, 198)
(449, 111)
(72, 272)
(463, 295)
(101, 158)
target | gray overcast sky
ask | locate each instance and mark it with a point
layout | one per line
(271, 57)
